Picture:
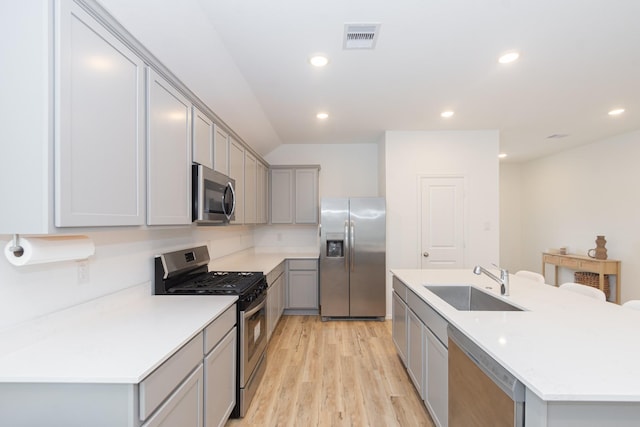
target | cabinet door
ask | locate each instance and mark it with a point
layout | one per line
(250, 188)
(236, 171)
(99, 146)
(220, 381)
(416, 359)
(184, 407)
(281, 196)
(303, 289)
(168, 154)
(221, 151)
(436, 394)
(399, 330)
(261, 193)
(202, 139)
(306, 196)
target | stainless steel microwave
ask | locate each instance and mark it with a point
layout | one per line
(213, 196)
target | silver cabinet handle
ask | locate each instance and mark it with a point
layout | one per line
(425, 254)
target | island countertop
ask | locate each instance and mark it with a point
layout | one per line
(563, 346)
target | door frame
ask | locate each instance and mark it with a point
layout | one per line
(465, 213)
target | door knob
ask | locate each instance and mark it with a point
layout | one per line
(425, 254)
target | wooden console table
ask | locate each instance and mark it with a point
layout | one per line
(583, 263)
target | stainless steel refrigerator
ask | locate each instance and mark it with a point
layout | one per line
(352, 257)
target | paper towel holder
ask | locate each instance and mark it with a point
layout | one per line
(17, 250)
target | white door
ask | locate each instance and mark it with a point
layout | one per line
(442, 222)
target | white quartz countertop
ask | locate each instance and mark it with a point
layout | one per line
(120, 338)
(563, 347)
(263, 260)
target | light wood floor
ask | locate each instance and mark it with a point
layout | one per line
(336, 373)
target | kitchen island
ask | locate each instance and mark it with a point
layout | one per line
(576, 356)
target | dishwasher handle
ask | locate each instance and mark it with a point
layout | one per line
(504, 379)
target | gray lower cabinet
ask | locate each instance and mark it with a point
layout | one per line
(420, 334)
(399, 318)
(302, 284)
(416, 355)
(220, 381)
(195, 387)
(275, 297)
(436, 394)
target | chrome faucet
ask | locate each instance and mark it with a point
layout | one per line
(503, 280)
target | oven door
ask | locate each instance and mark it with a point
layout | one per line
(214, 199)
(253, 340)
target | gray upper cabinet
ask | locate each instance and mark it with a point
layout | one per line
(221, 151)
(99, 149)
(250, 195)
(168, 154)
(236, 171)
(262, 190)
(73, 147)
(203, 130)
(294, 194)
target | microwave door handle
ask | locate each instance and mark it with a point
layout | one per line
(233, 204)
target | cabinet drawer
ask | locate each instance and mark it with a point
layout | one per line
(592, 266)
(273, 275)
(400, 288)
(303, 264)
(160, 383)
(184, 407)
(436, 323)
(551, 259)
(219, 328)
(569, 263)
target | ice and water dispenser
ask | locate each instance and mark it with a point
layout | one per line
(335, 246)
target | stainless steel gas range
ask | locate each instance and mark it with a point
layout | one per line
(185, 272)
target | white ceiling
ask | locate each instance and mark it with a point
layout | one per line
(579, 59)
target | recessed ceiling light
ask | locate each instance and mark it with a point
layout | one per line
(616, 112)
(502, 155)
(446, 114)
(322, 116)
(508, 57)
(319, 60)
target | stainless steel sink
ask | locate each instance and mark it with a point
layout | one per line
(469, 298)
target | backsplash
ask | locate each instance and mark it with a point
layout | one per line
(123, 258)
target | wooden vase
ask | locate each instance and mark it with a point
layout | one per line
(601, 251)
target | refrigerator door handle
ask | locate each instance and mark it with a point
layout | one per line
(352, 244)
(347, 249)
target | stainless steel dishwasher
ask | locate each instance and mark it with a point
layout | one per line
(481, 391)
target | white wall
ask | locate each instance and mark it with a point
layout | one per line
(345, 169)
(570, 197)
(472, 154)
(123, 258)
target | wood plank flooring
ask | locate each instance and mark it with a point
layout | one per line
(336, 373)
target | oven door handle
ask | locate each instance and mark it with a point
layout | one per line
(257, 307)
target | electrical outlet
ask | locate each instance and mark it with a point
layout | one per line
(83, 272)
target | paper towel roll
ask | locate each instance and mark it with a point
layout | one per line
(39, 250)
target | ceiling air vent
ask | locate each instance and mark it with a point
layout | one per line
(360, 36)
